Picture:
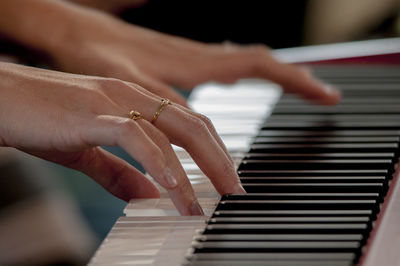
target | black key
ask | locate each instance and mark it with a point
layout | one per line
(335, 139)
(353, 228)
(277, 246)
(313, 187)
(316, 148)
(291, 213)
(312, 179)
(291, 101)
(333, 172)
(282, 220)
(280, 237)
(318, 156)
(297, 205)
(315, 164)
(332, 125)
(301, 196)
(254, 262)
(317, 133)
(273, 257)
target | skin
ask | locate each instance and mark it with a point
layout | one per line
(86, 41)
(114, 6)
(80, 113)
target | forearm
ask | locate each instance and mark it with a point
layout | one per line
(112, 6)
(41, 24)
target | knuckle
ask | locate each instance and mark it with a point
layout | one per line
(197, 125)
(228, 169)
(303, 73)
(109, 85)
(206, 120)
(160, 139)
(259, 49)
(254, 57)
(127, 128)
(227, 166)
(154, 154)
(194, 129)
(163, 142)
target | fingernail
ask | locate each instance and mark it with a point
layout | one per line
(330, 90)
(238, 189)
(169, 178)
(196, 209)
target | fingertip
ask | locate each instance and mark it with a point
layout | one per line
(150, 192)
(238, 189)
(195, 209)
(155, 193)
(320, 93)
(332, 95)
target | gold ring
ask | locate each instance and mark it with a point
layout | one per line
(135, 115)
(164, 102)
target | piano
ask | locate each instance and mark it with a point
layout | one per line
(322, 182)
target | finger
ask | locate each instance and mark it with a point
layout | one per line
(193, 135)
(233, 62)
(126, 133)
(182, 194)
(205, 119)
(211, 128)
(159, 88)
(298, 80)
(114, 174)
(292, 78)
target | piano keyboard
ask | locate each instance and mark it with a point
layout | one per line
(316, 178)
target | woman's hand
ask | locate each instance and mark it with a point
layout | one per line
(85, 41)
(64, 118)
(111, 48)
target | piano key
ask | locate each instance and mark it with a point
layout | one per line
(348, 219)
(331, 172)
(351, 71)
(329, 147)
(311, 187)
(312, 179)
(332, 125)
(271, 246)
(273, 263)
(287, 100)
(313, 195)
(253, 164)
(296, 204)
(301, 156)
(281, 237)
(334, 139)
(289, 213)
(164, 206)
(248, 256)
(314, 228)
(354, 109)
(316, 133)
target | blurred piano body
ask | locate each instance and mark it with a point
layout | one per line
(316, 176)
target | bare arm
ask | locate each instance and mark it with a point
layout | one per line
(83, 40)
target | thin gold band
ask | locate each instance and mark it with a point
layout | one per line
(135, 115)
(164, 102)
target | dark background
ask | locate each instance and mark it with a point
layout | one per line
(278, 24)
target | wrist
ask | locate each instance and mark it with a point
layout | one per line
(49, 26)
